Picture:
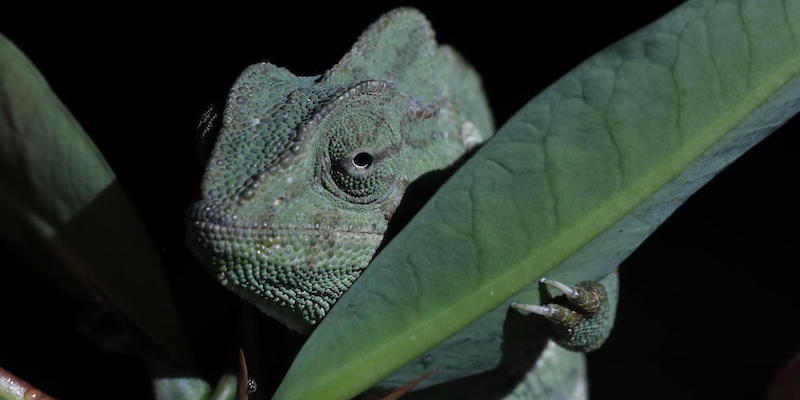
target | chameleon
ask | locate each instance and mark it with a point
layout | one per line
(306, 173)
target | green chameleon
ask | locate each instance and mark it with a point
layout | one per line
(307, 172)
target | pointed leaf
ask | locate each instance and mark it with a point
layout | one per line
(61, 204)
(569, 186)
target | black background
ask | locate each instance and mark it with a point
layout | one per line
(708, 305)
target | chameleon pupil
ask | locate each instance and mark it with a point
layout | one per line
(362, 161)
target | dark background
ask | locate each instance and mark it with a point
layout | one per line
(708, 306)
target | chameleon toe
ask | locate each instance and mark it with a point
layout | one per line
(587, 297)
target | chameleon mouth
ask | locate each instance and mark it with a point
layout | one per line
(214, 238)
(293, 273)
(221, 240)
(204, 219)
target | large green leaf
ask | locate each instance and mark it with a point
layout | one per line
(60, 202)
(568, 187)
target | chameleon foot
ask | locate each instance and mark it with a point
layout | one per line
(582, 317)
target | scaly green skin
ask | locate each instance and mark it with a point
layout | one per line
(307, 171)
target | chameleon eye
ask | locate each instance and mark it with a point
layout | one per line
(363, 175)
(362, 161)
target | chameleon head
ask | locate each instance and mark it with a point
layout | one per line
(291, 217)
(306, 171)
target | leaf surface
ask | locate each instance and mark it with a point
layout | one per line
(61, 204)
(570, 186)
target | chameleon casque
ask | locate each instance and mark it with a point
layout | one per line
(306, 173)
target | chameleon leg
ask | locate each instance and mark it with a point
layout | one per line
(582, 316)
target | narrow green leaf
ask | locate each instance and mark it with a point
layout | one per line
(180, 388)
(226, 388)
(60, 202)
(575, 181)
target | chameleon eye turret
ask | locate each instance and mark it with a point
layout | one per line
(306, 172)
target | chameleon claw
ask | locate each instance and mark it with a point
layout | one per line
(538, 310)
(562, 317)
(545, 311)
(563, 288)
(587, 297)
